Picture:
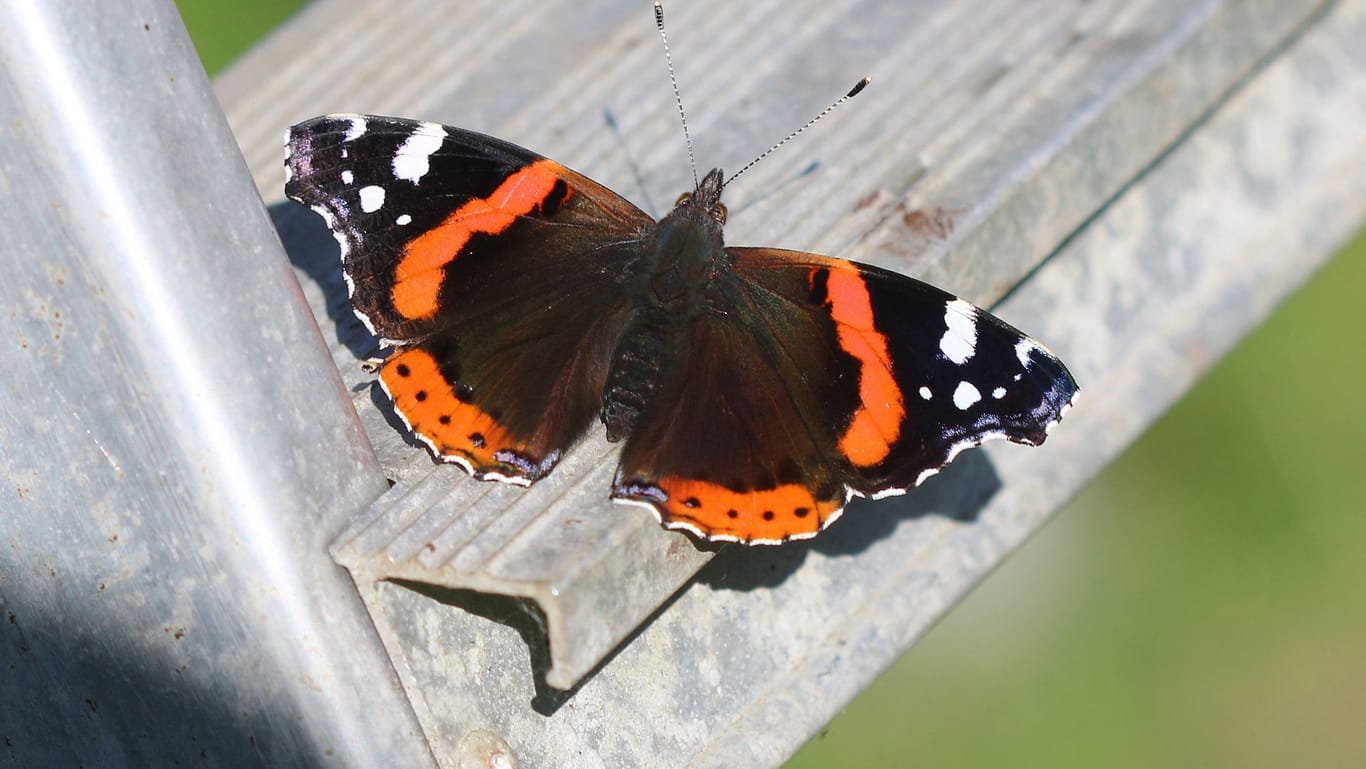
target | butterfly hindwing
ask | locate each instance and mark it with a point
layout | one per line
(738, 444)
(495, 273)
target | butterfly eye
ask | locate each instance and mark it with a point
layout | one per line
(719, 212)
(684, 198)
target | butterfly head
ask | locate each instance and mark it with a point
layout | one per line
(705, 201)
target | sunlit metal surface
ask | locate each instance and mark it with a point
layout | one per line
(178, 446)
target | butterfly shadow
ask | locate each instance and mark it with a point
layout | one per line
(959, 493)
(384, 407)
(314, 253)
(524, 616)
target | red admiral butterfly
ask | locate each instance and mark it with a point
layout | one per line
(755, 390)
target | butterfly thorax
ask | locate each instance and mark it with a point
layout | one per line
(668, 289)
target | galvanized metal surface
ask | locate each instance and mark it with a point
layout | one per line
(1002, 136)
(178, 449)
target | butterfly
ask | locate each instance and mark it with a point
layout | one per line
(754, 391)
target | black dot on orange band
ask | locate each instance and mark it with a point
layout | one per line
(732, 514)
(421, 395)
(692, 502)
(444, 419)
(768, 515)
(477, 440)
(403, 369)
(802, 512)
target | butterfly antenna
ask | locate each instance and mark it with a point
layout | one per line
(659, 22)
(859, 86)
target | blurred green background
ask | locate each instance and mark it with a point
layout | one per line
(1202, 602)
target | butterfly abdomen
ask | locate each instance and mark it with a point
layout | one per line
(646, 347)
(668, 290)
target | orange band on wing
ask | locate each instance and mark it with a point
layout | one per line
(786, 512)
(877, 422)
(422, 268)
(452, 427)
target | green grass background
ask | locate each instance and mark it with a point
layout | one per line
(1201, 603)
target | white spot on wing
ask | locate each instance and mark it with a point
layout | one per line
(925, 393)
(1023, 348)
(371, 198)
(403, 219)
(966, 395)
(356, 128)
(413, 158)
(998, 393)
(960, 331)
(348, 177)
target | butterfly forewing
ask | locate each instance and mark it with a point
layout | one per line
(496, 273)
(936, 375)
